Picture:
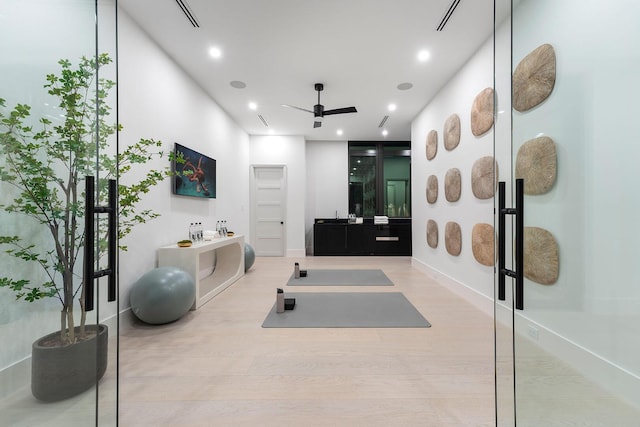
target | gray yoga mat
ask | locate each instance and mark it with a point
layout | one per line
(342, 278)
(347, 310)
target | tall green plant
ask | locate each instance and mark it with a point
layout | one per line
(45, 163)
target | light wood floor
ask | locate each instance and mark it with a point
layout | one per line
(218, 367)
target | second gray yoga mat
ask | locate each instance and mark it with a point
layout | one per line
(342, 278)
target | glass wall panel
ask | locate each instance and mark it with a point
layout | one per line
(577, 344)
(35, 36)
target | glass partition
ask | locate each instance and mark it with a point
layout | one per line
(48, 66)
(575, 342)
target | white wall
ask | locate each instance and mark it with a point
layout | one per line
(456, 97)
(288, 151)
(158, 100)
(327, 189)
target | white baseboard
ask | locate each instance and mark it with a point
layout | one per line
(296, 253)
(478, 300)
(15, 376)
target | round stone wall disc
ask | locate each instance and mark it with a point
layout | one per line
(484, 177)
(483, 244)
(432, 233)
(432, 144)
(432, 189)
(541, 261)
(537, 164)
(482, 112)
(453, 238)
(452, 185)
(534, 78)
(452, 132)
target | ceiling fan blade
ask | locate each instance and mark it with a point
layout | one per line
(317, 124)
(297, 108)
(340, 111)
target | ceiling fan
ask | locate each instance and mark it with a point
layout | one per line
(318, 110)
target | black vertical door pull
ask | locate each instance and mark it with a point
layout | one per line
(518, 274)
(89, 241)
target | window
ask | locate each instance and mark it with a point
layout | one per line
(380, 179)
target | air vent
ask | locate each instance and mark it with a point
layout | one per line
(264, 122)
(383, 121)
(447, 15)
(188, 13)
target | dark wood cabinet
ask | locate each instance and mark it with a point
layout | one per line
(338, 237)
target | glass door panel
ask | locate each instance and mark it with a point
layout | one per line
(42, 214)
(576, 352)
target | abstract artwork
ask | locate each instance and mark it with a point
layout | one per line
(196, 176)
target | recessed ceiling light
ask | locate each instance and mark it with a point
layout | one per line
(405, 86)
(339, 132)
(385, 132)
(392, 107)
(423, 56)
(238, 84)
(253, 106)
(215, 52)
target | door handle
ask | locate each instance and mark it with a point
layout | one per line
(89, 241)
(518, 274)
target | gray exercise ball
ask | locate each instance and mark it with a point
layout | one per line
(162, 295)
(249, 256)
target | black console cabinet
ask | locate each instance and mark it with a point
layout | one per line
(338, 237)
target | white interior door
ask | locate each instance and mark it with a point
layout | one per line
(268, 209)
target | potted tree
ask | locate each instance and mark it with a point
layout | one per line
(43, 164)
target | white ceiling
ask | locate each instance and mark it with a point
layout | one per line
(360, 49)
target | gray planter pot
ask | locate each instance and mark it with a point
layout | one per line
(58, 373)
